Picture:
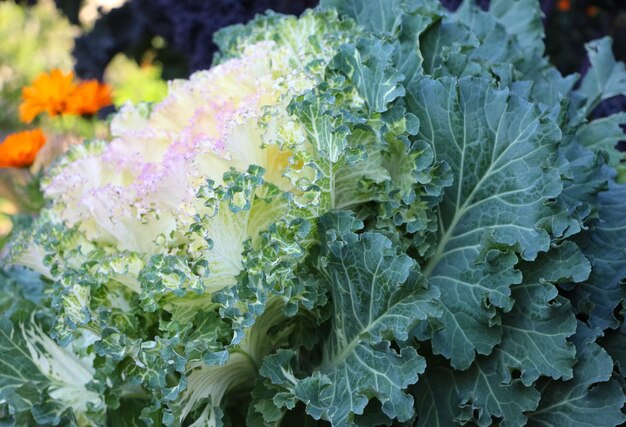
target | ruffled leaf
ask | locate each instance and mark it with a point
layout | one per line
(377, 296)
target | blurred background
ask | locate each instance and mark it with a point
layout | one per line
(175, 35)
(125, 50)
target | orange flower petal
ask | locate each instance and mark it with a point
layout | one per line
(89, 97)
(28, 111)
(19, 149)
(592, 11)
(48, 93)
(564, 5)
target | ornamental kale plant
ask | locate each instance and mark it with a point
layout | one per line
(379, 213)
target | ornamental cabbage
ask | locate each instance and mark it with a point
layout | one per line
(378, 213)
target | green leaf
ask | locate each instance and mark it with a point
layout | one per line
(38, 376)
(16, 367)
(262, 410)
(368, 65)
(445, 397)
(552, 89)
(444, 48)
(522, 21)
(483, 393)
(505, 42)
(347, 151)
(603, 135)
(604, 244)
(129, 415)
(308, 41)
(585, 177)
(208, 385)
(591, 398)
(436, 402)
(322, 122)
(20, 291)
(492, 41)
(605, 78)
(408, 55)
(212, 371)
(614, 343)
(377, 295)
(406, 19)
(535, 331)
(500, 149)
(534, 343)
(377, 16)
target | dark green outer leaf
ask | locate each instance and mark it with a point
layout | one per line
(522, 20)
(16, 365)
(615, 344)
(587, 176)
(534, 343)
(406, 19)
(604, 245)
(535, 332)
(590, 399)
(378, 16)
(500, 149)
(606, 78)
(603, 135)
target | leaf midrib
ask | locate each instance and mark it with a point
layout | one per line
(467, 204)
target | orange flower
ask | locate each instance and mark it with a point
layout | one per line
(564, 5)
(20, 149)
(48, 93)
(592, 11)
(89, 97)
